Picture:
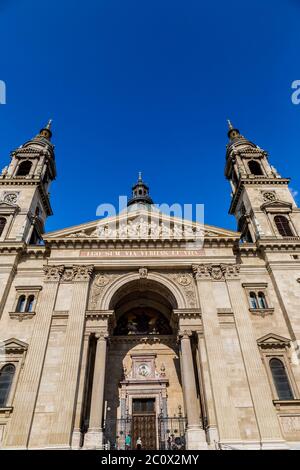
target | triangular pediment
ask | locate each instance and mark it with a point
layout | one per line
(7, 206)
(141, 225)
(274, 206)
(15, 345)
(271, 340)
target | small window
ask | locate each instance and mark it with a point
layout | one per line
(29, 304)
(262, 303)
(6, 377)
(283, 226)
(2, 224)
(255, 168)
(21, 304)
(281, 380)
(24, 168)
(253, 300)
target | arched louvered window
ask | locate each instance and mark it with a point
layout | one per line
(255, 168)
(29, 305)
(262, 303)
(24, 168)
(2, 224)
(283, 226)
(6, 378)
(21, 304)
(281, 380)
(253, 300)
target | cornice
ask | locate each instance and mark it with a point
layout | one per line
(257, 180)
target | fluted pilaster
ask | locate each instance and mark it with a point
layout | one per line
(27, 390)
(62, 422)
(227, 421)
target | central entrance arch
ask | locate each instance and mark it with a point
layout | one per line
(143, 380)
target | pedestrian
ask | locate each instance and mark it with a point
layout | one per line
(128, 442)
(139, 443)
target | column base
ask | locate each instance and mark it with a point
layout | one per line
(93, 439)
(212, 436)
(76, 439)
(195, 438)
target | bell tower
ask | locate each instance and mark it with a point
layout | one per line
(260, 199)
(24, 189)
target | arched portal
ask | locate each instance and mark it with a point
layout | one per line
(143, 391)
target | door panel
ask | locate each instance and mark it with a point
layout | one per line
(144, 426)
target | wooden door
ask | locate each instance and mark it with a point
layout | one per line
(144, 426)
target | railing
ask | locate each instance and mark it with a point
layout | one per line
(170, 433)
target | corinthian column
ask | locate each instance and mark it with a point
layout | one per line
(24, 402)
(62, 422)
(227, 421)
(94, 436)
(265, 413)
(195, 435)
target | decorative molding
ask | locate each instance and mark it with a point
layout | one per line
(143, 273)
(185, 281)
(21, 315)
(100, 283)
(187, 313)
(261, 312)
(99, 314)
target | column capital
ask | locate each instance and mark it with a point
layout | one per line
(231, 271)
(83, 272)
(201, 271)
(184, 334)
(101, 335)
(216, 272)
(53, 273)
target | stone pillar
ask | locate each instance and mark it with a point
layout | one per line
(94, 436)
(265, 413)
(211, 428)
(227, 420)
(76, 436)
(62, 423)
(24, 402)
(195, 435)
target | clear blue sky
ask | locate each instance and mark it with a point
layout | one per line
(135, 85)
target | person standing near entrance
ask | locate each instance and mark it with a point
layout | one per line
(128, 442)
(139, 443)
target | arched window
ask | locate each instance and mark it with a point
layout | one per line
(21, 304)
(283, 226)
(2, 224)
(29, 305)
(281, 380)
(262, 303)
(24, 168)
(255, 168)
(6, 377)
(253, 300)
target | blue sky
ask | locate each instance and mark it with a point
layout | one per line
(135, 85)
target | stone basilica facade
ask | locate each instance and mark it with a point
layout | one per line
(130, 327)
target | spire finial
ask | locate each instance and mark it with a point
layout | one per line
(49, 124)
(46, 131)
(230, 126)
(140, 177)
